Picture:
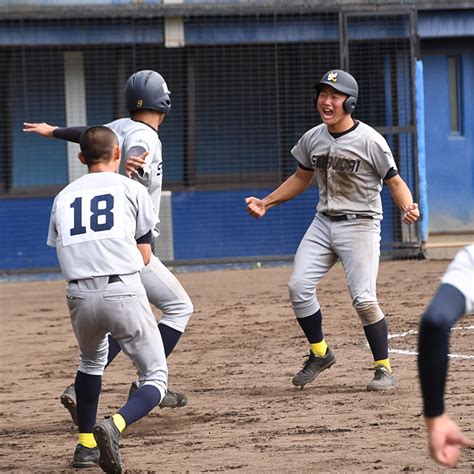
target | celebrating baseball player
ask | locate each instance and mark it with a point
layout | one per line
(350, 161)
(148, 101)
(453, 299)
(102, 226)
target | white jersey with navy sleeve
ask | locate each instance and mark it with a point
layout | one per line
(163, 289)
(90, 213)
(132, 133)
(349, 169)
(460, 274)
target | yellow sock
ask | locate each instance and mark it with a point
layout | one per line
(385, 363)
(87, 440)
(319, 348)
(119, 422)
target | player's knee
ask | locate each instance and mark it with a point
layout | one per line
(300, 289)
(94, 363)
(446, 307)
(185, 310)
(434, 318)
(188, 307)
(178, 316)
(369, 312)
(92, 366)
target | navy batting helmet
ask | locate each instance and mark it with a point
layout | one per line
(343, 82)
(147, 90)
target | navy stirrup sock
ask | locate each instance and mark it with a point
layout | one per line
(114, 349)
(87, 397)
(170, 338)
(140, 403)
(312, 327)
(376, 335)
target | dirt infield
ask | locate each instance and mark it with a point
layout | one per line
(235, 363)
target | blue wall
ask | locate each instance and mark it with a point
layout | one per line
(231, 232)
(206, 225)
(449, 155)
(24, 247)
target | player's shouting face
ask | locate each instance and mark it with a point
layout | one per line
(330, 106)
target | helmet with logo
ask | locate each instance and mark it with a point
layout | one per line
(343, 82)
(147, 90)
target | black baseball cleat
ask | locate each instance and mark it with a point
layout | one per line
(85, 457)
(383, 380)
(107, 437)
(173, 400)
(68, 399)
(170, 400)
(313, 366)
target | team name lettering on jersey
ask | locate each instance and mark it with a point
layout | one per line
(91, 215)
(337, 163)
(143, 144)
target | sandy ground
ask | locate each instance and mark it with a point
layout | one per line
(235, 363)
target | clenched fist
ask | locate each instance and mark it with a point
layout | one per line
(255, 207)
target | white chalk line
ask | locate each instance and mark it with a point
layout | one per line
(413, 332)
(451, 356)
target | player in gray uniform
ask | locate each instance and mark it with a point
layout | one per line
(350, 161)
(148, 101)
(102, 226)
(453, 299)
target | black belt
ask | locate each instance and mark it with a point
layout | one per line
(112, 279)
(346, 218)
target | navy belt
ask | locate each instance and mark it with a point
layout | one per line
(346, 218)
(112, 279)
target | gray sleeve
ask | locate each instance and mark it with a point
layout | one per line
(147, 217)
(381, 157)
(143, 140)
(52, 232)
(136, 151)
(301, 152)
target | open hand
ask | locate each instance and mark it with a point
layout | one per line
(43, 129)
(446, 440)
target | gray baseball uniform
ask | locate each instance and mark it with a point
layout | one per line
(94, 224)
(163, 289)
(349, 169)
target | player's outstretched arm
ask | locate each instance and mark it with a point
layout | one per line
(402, 197)
(445, 440)
(292, 187)
(69, 134)
(43, 129)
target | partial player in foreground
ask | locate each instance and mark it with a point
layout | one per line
(453, 299)
(350, 161)
(102, 226)
(148, 100)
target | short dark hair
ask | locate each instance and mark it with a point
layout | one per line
(97, 144)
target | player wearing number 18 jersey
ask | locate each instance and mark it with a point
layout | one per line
(148, 100)
(102, 226)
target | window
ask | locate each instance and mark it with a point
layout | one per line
(454, 84)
